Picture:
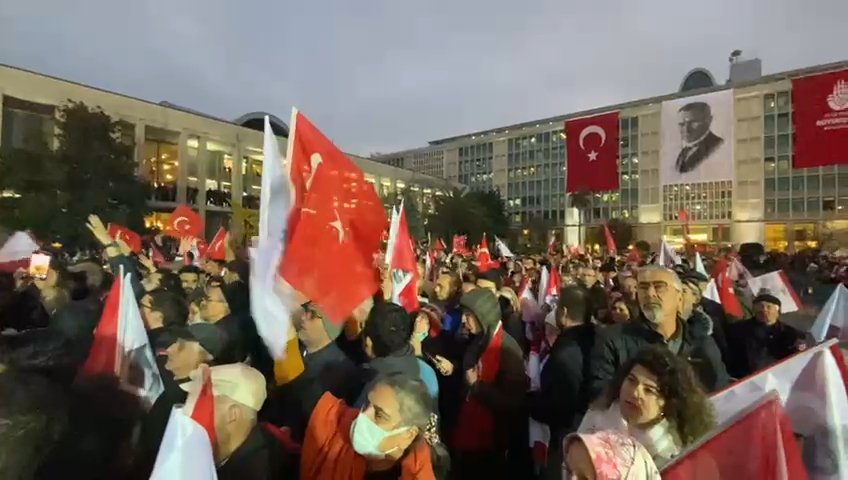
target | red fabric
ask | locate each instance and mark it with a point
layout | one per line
(592, 145)
(218, 248)
(12, 267)
(683, 216)
(820, 115)
(790, 289)
(284, 436)
(156, 256)
(475, 430)
(103, 355)
(335, 226)
(769, 450)
(729, 300)
(610, 241)
(836, 351)
(440, 245)
(204, 409)
(184, 222)
(120, 232)
(553, 283)
(484, 258)
(633, 256)
(460, 244)
(403, 259)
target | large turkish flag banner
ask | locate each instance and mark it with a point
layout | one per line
(335, 226)
(820, 115)
(592, 145)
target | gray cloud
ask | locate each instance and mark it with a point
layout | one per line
(388, 74)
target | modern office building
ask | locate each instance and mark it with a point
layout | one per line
(763, 199)
(212, 164)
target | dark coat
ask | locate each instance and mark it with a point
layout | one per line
(258, 458)
(690, 159)
(619, 343)
(752, 345)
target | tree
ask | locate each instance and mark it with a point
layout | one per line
(472, 214)
(622, 232)
(413, 216)
(51, 192)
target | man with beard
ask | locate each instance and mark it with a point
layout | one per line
(587, 277)
(660, 294)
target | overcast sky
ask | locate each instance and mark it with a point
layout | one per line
(384, 75)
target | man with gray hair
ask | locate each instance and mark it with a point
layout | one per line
(660, 296)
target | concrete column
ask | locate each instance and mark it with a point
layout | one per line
(238, 176)
(182, 170)
(201, 176)
(139, 146)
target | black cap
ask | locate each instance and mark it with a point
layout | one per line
(212, 338)
(765, 295)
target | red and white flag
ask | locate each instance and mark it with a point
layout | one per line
(763, 429)
(668, 257)
(336, 224)
(778, 285)
(460, 246)
(683, 216)
(16, 252)
(184, 222)
(185, 451)
(552, 290)
(544, 280)
(592, 145)
(727, 296)
(484, 258)
(121, 347)
(120, 232)
(611, 248)
(832, 321)
(401, 259)
(820, 118)
(217, 249)
(812, 388)
(440, 245)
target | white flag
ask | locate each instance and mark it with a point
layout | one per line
(813, 393)
(136, 365)
(185, 451)
(699, 265)
(544, 278)
(270, 300)
(18, 247)
(833, 318)
(711, 292)
(502, 248)
(778, 285)
(668, 257)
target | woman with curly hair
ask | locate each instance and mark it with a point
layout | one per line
(656, 398)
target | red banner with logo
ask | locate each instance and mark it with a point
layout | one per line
(592, 145)
(820, 115)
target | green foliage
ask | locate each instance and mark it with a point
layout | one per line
(471, 214)
(622, 233)
(90, 171)
(413, 216)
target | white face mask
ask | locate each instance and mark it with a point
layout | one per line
(366, 436)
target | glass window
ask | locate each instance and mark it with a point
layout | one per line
(829, 204)
(27, 125)
(813, 184)
(769, 125)
(783, 102)
(783, 165)
(813, 205)
(798, 184)
(768, 146)
(634, 123)
(828, 182)
(842, 181)
(783, 184)
(769, 104)
(783, 146)
(625, 125)
(769, 165)
(784, 123)
(769, 208)
(159, 168)
(798, 207)
(769, 187)
(782, 206)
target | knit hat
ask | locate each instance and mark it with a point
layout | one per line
(765, 295)
(484, 305)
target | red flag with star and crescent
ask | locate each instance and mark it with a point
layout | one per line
(335, 226)
(184, 222)
(592, 145)
(217, 249)
(120, 232)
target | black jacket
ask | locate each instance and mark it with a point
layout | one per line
(752, 345)
(260, 457)
(690, 158)
(619, 343)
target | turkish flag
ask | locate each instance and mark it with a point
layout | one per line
(484, 258)
(204, 407)
(610, 240)
(727, 296)
(592, 145)
(184, 222)
(403, 264)
(335, 225)
(217, 250)
(460, 244)
(820, 115)
(132, 239)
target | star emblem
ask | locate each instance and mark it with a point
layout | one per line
(593, 155)
(338, 225)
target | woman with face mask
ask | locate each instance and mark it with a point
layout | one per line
(656, 398)
(393, 436)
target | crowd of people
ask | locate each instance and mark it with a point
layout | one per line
(626, 353)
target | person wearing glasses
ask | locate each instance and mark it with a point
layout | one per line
(660, 296)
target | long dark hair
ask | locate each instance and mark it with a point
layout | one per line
(686, 404)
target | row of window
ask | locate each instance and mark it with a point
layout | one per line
(805, 207)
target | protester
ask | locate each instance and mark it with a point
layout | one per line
(562, 397)
(190, 279)
(656, 398)
(758, 342)
(606, 455)
(660, 292)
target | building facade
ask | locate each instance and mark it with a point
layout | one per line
(212, 164)
(766, 201)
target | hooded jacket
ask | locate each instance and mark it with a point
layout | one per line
(619, 343)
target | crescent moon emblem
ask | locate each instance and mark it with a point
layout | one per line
(177, 223)
(590, 130)
(123, 236)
